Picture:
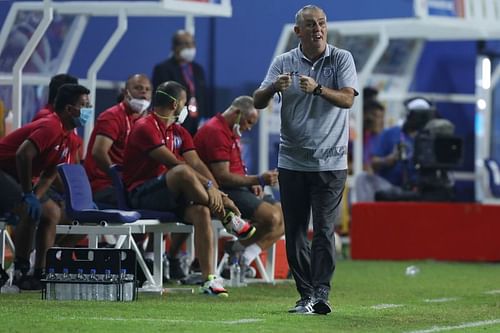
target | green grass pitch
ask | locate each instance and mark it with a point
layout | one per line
(367, 296)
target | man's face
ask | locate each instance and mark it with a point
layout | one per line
(181, 102)
(246, 123)
(312, 30)
(378, 120)
(139, 87)
(184, 41)
(83, 101)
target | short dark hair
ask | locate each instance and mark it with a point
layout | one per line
(370, 93)
(69, 93)
(167, 92)
(300, 13)
(176, 38)
(243, 103)
(55, 82)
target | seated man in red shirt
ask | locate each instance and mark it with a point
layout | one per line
(162, 171)
(34, 150)
(218, 143)
(109, 137)
(107, 147)
(52, 202)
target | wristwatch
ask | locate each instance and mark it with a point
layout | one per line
(318, 90)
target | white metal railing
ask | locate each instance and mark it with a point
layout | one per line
(83, 10)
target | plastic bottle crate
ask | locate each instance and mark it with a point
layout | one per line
(90, 274)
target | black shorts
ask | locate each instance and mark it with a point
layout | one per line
(155, 195)
(105, 197)
(246, 201)
(11, 194)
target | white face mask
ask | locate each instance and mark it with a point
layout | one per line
(188, 54)
(182, 115)
(139, 105)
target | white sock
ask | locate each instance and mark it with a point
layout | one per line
(251, 252)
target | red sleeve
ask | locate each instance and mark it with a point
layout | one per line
(146, 137)
(216, 145)
(44, 136)
(187, 139)
(108, 124)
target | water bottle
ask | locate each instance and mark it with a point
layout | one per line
(51, 286)
(185, 260)
(166, 267)
(127, 286)
(235, 273)
(109, 286)
(80, 288)
(94, 286)
(65, 287)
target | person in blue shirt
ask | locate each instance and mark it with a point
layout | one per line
(393, 151)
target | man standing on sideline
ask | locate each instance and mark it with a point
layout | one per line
(182, 68)
(318, 84)
(218, 143)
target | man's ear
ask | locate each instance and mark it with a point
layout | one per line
(296, 29)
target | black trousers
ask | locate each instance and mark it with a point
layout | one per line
(312, 264)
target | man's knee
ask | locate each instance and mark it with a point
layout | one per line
(51, 212)
(271, 217)
(181, 174)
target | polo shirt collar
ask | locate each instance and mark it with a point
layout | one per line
(221, 119)
(303, 56)
(128, 110)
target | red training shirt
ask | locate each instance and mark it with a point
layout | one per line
(75, 141)
(215, 142)
(116, 124)
(48, 136)
(149, 133)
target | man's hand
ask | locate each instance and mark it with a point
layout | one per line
(258, 191)
(269, 178)
(215, 201)
(282, 82)
(33, 205)
(307, 84)
(230, 205)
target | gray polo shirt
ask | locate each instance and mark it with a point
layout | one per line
(314, 132)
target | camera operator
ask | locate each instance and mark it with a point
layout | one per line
(393, 152)
(437, 150)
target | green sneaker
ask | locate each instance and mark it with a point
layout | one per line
(235, 225)
(214, 287)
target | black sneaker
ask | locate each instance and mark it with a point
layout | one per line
(175, 269)
(303, 306)
(4, 277)
(321, 304)
(28, 282)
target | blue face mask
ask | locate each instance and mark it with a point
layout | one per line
(85, 114)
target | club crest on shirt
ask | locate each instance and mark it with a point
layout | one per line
(327, 71)
(65, 153)
(177, 142)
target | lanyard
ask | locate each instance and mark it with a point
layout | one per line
(169, 145)
(237, 144)
(187, 73)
